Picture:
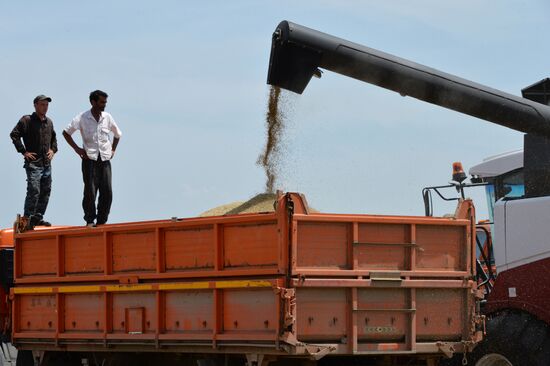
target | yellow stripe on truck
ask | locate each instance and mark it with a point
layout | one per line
(240, 284)
(126, 288)
(184, 286)
(141, 287)
(33, 290)
(74, 289)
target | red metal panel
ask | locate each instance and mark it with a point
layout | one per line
(248, 245)
(124, 301)
(521, 288)
(37, 313)
(189, 311)
(192, 248)
(6, 238)
(252, 245)
(414, 245)
(441, 313)
(383, 314)
(38, 256)
(322, 245)
(134, 251)
(250, 311)
(321, 314)
(85, 254)
(83, 313)
(441, 247)
(380, 256)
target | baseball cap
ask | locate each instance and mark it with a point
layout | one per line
(42, 97)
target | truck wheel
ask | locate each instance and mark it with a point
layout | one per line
(513, 339)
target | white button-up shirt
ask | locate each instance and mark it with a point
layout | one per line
(95, 135)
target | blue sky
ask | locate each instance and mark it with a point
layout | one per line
(187, 87)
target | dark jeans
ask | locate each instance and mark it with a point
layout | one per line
(97, 177)
(39, 186)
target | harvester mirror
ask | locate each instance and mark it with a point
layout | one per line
(428, 208)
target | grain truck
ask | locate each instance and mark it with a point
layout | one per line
(283, 287)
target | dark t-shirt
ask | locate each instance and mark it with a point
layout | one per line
(38, 137)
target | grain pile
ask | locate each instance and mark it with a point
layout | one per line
(221, 210)
(269, 158)
(263, 202)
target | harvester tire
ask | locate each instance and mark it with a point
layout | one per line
(24, 358)
(513, 339)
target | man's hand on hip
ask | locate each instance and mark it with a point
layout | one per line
(50, 154)
(81, 152)
(29, 155)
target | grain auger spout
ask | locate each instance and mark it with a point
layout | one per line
(297, 53)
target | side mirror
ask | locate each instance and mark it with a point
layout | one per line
(428, 208)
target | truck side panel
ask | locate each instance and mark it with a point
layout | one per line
(274, 282)
(250, 245)
(342, 245)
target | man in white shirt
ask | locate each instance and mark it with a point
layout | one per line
(95, 126)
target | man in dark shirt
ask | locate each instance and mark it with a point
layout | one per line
(38, 148)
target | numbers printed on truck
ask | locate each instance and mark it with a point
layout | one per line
(380, 330)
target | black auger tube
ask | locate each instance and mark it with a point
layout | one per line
(297, 52)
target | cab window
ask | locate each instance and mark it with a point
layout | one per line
(509, 186)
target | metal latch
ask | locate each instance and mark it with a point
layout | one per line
(386, 276)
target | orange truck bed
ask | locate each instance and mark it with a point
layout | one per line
(288, 283)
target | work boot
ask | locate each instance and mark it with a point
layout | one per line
(33, 221)
(44, 223)
(90, 224)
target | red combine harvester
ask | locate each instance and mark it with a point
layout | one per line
(517, 329)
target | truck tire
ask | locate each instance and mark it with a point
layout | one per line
(513, 339)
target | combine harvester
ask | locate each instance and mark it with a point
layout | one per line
(288, 287)
(518, 185)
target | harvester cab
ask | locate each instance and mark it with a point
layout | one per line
(503, 177)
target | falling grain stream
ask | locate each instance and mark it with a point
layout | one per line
(269, 158)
